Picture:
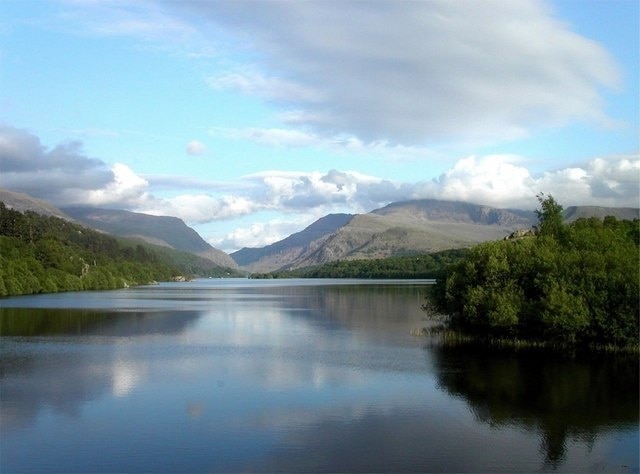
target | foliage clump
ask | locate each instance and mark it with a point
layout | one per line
(400, 267)
(44, 254)
(569, 285)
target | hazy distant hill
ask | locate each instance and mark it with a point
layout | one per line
(401, 228)
(159, 230)
(23, 202)
(576, 212)
(434, 210)
(285, 251)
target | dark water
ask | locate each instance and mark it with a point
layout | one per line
(239, 375)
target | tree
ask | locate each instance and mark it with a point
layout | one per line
(569, 285)
(550, 216)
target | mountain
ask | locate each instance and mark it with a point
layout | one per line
(434, 210)
(283, 252)
(422, 226)
(402, 228)
(23, 202)
(576, 212)
(159, 230)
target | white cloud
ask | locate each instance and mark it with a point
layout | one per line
(293, 138)
(126, 187)
(277, 137)
(64, 175)
(417, 71)
(143, 19)
(600, 182)
(495, 180)
(194, 147)
(500, 181)
(255, 83)
(201, 208)
(260, 234)
(403, 73)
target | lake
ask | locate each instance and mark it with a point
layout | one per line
(294, 376)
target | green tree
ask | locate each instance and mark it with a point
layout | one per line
(550, 216)
(574, 284)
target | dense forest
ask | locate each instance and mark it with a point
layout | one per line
(402, 267)
(569, 285)
(44, 254)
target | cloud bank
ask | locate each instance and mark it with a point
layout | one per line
(414, 72)
(64, 175)
(417, 72)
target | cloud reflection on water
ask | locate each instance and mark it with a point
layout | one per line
(275, 378)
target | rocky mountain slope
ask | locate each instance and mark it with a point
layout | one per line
(402, 228)
(282, 253)
(159, 230)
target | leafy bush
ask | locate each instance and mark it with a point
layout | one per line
(400, 267)
(570, 284)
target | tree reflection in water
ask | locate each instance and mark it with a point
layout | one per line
(562, 397)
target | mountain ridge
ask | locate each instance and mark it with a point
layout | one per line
(164, 231)
(405, 228)
(293, 246)
(167, 231)
(24, 202)
(399, 228)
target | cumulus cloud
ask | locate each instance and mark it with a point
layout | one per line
(125, 188)
(409, 72)
(57, 174)
(194, 147)
(599, 182)
(260, 234)
(201, 208)
(63, 174)
(495, 180)
(501, 181)
(280, 191)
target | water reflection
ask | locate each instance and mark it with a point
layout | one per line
(47, 361)
(26, 322)
(273, 377)
(561, 398)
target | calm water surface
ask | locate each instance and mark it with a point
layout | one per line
(298, 375)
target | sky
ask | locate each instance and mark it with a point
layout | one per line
(250, 119)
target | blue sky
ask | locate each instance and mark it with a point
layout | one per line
(250, 119)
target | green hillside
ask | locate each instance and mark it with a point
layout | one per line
(46, 254)
(404, 267)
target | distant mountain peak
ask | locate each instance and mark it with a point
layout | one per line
(296, 244)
